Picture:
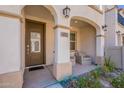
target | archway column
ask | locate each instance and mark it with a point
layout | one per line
(100, 47)
(62, 66)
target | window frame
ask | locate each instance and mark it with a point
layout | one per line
(73, 40)
(122, 40)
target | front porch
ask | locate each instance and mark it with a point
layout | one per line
(50, 44)
(43, 78)
(58, 45)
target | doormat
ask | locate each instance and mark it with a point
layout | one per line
(36, 68)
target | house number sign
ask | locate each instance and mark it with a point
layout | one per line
(64, 34)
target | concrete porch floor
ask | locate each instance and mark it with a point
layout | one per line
(39, 78)
(43, 78)
(80, 69)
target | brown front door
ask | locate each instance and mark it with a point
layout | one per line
(34, 43)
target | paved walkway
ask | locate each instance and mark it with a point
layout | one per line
(38, 78)
(79, 69)
(43, 78)
(57, 85)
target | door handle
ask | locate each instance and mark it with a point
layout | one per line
(27, 46)
(54, 51)
(27, 49)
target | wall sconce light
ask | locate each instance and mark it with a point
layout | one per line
(118, 32)
(66, 12)
(104, 27)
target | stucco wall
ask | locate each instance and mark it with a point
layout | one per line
(116, 54)
(9, 45)
(83, 11)
(111, 22)
(88, 41)
(121, 28)
(14, 9)
(120, 37)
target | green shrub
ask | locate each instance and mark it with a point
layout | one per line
(118, 82)
(87, 82)
(95, 74)
(82, 82)
(108, 65)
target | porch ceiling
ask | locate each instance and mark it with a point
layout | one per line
(78, 23)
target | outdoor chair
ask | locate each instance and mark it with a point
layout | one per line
(82, 58)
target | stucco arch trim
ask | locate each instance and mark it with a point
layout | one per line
(91, 22)
(86, 20)
(49, 7)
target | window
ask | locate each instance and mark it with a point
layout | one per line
(73, 41)
(123, 40)
(35, 42)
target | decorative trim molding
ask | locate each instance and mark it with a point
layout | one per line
(120, 10)
(61, 26)
(95, 8)
(122, 34)
(100, 35)
(120, 25)
(111, 9)
(10, 15)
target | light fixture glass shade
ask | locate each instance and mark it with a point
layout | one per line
(66, 12)
(104, 27)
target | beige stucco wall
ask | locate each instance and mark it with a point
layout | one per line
(9, 45)
(88, 41)
(83, 11)
(121, 28)
(120, 36)
(116, 54)
(111, 22)
(14, 9)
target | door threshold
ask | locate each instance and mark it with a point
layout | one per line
(35, 66)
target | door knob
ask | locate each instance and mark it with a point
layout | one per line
(27, 46)
(27, 49)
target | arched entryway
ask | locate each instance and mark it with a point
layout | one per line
(38, 45)
(83, 44)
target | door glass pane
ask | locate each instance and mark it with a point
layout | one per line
(72, 45)
(35, 42)
(72, 36)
